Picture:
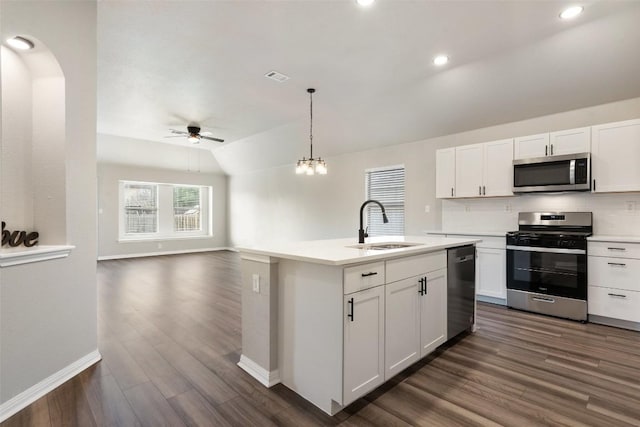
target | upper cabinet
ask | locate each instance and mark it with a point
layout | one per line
(615, 156)
(553, 144)
(445, 173)
(483, 170)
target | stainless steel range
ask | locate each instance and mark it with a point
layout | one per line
(547, 263)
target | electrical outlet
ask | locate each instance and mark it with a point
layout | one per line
(467, 209)
(631, 206)
(159, 245)
(427, 208)
(256, 283)
(507, 207)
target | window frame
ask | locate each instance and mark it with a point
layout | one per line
(388, 209)
(165, 213)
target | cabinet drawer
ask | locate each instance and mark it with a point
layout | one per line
(614, 249)
(619, 273)
(398, 269)
(614, 303)
(363, 276)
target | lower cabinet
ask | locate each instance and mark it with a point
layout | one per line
(491, 272)
(364, 338)
(415, 319)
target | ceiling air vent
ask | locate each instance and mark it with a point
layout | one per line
(279, 77)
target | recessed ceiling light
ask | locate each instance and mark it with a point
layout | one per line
(20, 43)
(365, 2)
(571, 12)
(441, 60)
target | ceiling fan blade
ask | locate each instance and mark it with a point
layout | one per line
(212, 138)
(206, 133)
(174, 136)
(178, 132)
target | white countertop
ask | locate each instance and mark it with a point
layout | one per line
(620, 239)
(338, 252)
(468, 233)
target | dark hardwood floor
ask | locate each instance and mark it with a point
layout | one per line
(169, 333)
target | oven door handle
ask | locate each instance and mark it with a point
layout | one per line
(549, 250)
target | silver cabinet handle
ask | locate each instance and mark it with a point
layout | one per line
(617, 249)
(617, 264)
(549, 300)
(617, 295)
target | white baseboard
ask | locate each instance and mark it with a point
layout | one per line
(144, 254)
(266, 378)
(35, 392)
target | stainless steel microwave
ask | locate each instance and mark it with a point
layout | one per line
(571, 172)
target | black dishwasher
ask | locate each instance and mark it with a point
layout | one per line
(461, 289)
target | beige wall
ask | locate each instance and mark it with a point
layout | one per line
(48, 309)
(108, 215)
(276, 205)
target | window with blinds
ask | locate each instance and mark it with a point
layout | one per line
(387, 187)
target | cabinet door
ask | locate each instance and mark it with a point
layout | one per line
(445, 173)
(469, 170)
(615, 156)
(498, 168)
(402, 325)
(527, 147)
(491, 272)
(363, 342)
(433, 312)
(570, 141)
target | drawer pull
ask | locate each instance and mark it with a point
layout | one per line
(549, 300)
(371, 273)
(617, 249)
(350, 313)
(617, 264)
(617, 295)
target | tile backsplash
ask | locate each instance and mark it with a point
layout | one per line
(613, 214)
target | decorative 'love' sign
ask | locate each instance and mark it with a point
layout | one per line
(17, 238)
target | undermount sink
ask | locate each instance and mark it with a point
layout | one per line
(384, 246)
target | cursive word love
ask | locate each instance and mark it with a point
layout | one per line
(17, 238)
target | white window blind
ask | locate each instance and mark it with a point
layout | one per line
(387, 187)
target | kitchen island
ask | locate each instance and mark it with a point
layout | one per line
(332, 320)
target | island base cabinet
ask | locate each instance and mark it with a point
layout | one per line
(433, 310)
(415, 319)
(402, 325)
(363, 342)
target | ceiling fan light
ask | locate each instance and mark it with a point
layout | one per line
(194, 139)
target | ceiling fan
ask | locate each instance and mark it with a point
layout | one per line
(193, 134)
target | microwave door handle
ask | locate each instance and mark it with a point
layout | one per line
(572, 172)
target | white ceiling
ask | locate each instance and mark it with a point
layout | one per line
(163, 64)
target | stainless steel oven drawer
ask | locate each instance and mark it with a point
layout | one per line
(568, 308)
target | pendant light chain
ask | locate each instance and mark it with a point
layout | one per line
(311, 122)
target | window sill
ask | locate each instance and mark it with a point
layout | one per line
(16, 256)
(162, 239)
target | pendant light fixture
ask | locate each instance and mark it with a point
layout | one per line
(311, 166)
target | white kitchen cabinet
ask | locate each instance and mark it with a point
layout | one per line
(570, 141)
(485, 169)
(363, 342)
(445, 173)
(491, 272)
(615, 155)
(433, 312)
(469, 165)
(416, 310)
(402, 325)
(553, 144)
(527, 147)
(614, 284)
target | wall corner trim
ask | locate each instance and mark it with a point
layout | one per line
(266, 378)
(35, 392)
